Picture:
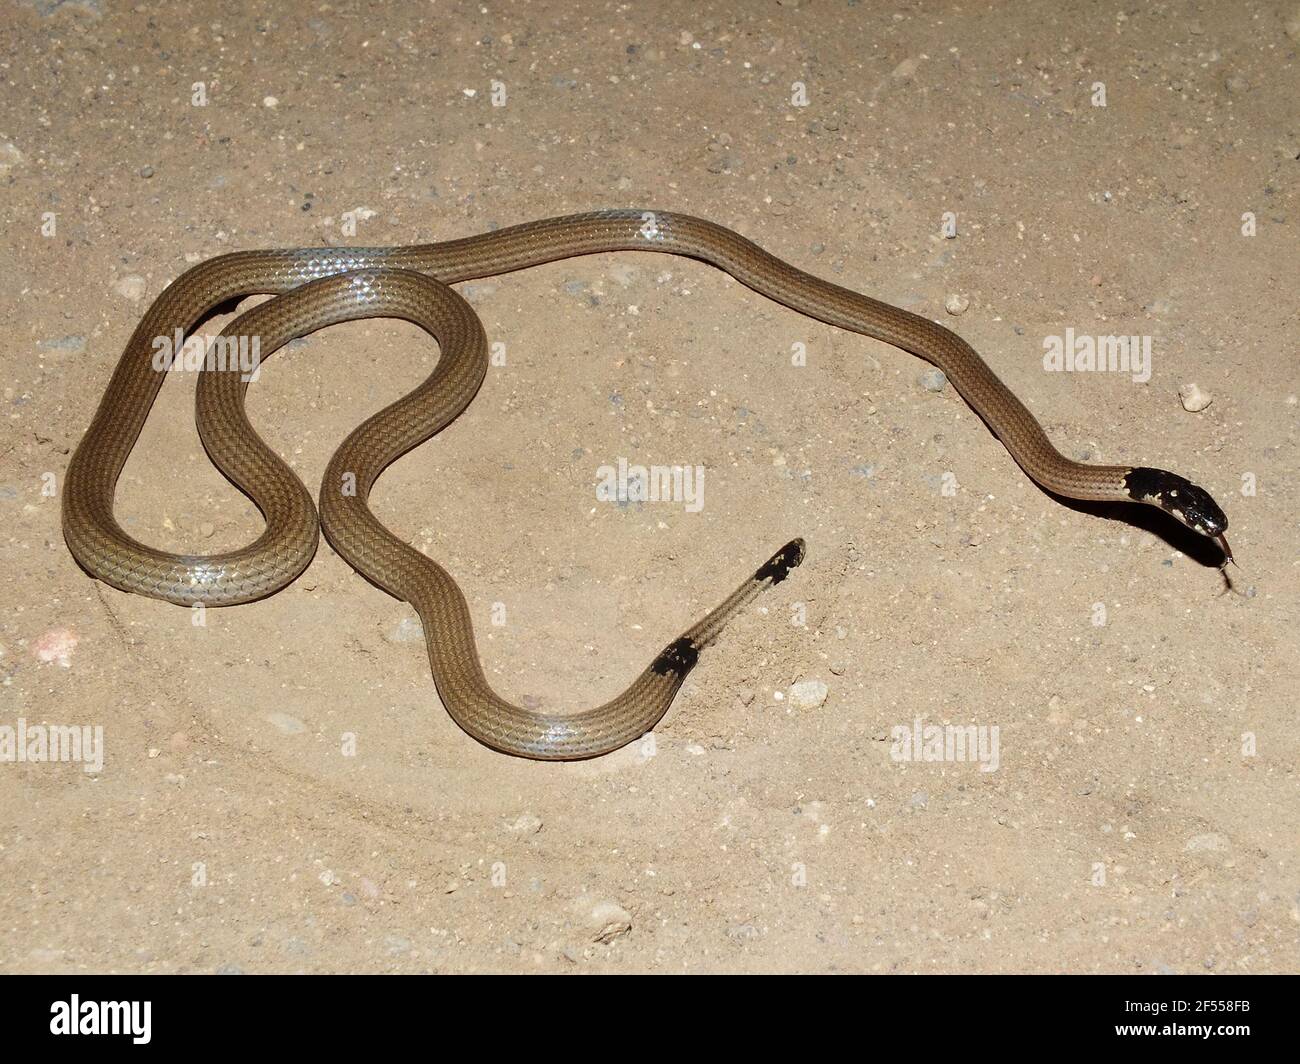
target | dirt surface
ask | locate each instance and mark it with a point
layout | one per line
(281, 789)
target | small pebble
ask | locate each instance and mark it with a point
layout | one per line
(1194, 398)
(956, 304)
(933, 380)
(607, 921)
(742, 932)
(10, 157)
(905, 69)
(808, 694)
(477, 293)
(146, 171)
(525, 824)
(56, 645)
(131, 287)
(285, 724)
(270, 101)
(1209, 842)
(1237, 84)
(407, 630)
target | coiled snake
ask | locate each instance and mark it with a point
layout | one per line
(322, 286)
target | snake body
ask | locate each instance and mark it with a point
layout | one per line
(316, 287)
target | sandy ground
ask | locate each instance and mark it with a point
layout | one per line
(281, 789)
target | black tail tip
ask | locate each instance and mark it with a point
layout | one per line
(778, 567)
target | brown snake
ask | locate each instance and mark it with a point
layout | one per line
(323, 286)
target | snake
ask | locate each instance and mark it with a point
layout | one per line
(313, 287)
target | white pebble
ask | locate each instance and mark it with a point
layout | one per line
(808, 694)
(608, 920)
(270, 101)
(286, 724)
(10, 157)
(956, 304)
(131, 287)
(1194, 398)
(56, 645)
(905, 69)
(407, 630)
(933, 380)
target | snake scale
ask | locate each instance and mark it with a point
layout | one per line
(315, 287)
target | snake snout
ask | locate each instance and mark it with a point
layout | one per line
(1198, 511)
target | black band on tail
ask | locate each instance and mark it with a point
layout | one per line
(778, 567)
(678, 657)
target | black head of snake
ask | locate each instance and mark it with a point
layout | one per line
(1188, 503)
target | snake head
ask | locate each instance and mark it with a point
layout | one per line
(1179, 497)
